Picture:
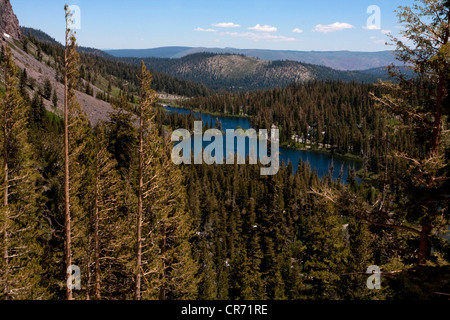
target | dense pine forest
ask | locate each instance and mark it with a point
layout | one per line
(107, 198)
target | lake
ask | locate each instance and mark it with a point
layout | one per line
(319, 160)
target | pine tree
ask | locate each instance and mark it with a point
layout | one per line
(222, 260)
(107, 225)
(147, 101)
(207, 286)
(170, 260)
(55, 100)
(122, 135)
(78, 152)
(39, 53)
(353, 282)
(326, 250)
(25, 44)
(254, 253)
(47, 90)
(273, 239)
(20, 213)
(37, 112)
(23, 82)
(420, 174)
(240, 284)
(67, 218)
(164, 254)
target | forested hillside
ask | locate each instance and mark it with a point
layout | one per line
(227, 72)
(105, 72)
(338, 60)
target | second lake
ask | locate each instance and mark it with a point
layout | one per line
(319, 161)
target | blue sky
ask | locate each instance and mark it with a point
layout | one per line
(321, 25)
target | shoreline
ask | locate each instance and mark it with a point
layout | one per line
(215, 114)
(348, 157)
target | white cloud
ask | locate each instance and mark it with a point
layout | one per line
(371, 27)
(265, 28)
(297, 30)
(386, 31)
(258, 36)
(204, 30)
(337, 26)
(226, 25)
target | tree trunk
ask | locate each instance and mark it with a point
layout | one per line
(424, 244)
(140, 208)
(162, 292)
(67, 222)
(5, 201)
(97, 236)
(439, 100)
(88, 268)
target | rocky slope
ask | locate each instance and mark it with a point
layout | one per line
(95, 109)
(239, 71)
(9, 23)
(39, 71)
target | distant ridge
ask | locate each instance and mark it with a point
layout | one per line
(38, 34)
(44, 37)
(231, 72)
(237, 70)
(339, 60)
(163, 52)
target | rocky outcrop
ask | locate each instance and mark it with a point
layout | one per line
(9, 23)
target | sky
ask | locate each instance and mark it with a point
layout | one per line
(303, 25)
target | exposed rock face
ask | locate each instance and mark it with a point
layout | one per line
(8, 21)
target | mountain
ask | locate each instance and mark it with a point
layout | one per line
(163, 52)
(383, 72)
(38, 34)
(239, 73)
(44, 37)
(9, 23)
(339, 60)
(40, 70)
(102, 77)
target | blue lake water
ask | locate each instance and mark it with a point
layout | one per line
(319, 161)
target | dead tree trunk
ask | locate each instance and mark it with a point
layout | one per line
(96, 234)
(140, 209)
(163, 290)
(5, 201)
(67, 219)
